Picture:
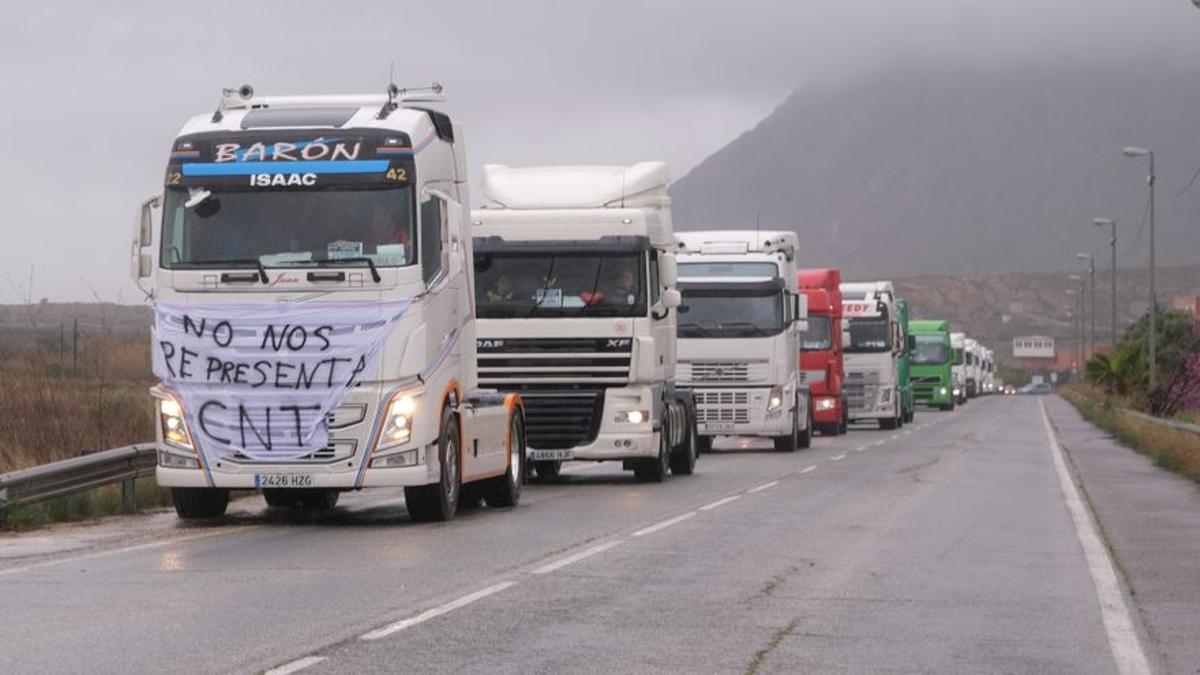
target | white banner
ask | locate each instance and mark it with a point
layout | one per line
(258, 380)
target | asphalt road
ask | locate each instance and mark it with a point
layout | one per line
(946, 546)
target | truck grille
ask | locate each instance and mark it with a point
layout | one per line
(924, 386)
(735, 415)
(718, 371)
(559, 420)
(520, 363)
(858, 395)
(722, 398)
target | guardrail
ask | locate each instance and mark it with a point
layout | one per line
(1181, 426)
(119, 465)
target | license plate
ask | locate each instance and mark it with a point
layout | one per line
(282, 480)
(718, 426)
(548, 455)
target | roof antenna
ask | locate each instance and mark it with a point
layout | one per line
(757, 237)
(393, 92)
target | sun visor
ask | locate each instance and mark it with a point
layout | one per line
(576, 187)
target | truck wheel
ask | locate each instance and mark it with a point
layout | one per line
(790, 442)
(946, 407)
(319, 500)
(438, 502)
(844, 426)
(547, 470)
(805, 438)
(655, 470)
(683, 458)
(506, 490)
(199, 503)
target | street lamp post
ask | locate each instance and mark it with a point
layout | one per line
(1074, 314)
(1112, 242)
(1091, 292)
(1143, 152)
(1078, 293)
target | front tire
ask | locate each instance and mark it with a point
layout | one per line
(439, 502)
(506, 490)
(200, 503)
(655, 470)
(683, 459)
(790, 442)
(547, 470)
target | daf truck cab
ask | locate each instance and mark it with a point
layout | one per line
(309, 265)
(974, 367)
(873, 343)
(577, 310)
(989, 371)
(958, 343)
(821, 360)
(931, 361)
(739, 336)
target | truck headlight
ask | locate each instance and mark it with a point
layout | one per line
(633, 416)
(942, 391)
(174, 427)
(957, 391)
(826, 404)
(397, 421)
(775, 400)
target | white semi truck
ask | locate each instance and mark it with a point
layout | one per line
(872, 343)
(309, 265)
(577, 311)
(958, 371)
(739, 336)
(974, 367)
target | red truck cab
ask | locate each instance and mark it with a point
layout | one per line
(821, 349)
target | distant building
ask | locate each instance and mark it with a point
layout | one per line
(1187, 303)
(1033, 347)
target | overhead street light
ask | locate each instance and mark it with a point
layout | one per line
(1091, 292)
(1077, 319)
(1112, 242)
(1150, 180)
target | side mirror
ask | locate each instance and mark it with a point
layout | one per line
(912, 343)
(845, 338)
(140, 263)
(801, 309)
(670, 299)
(668, 271)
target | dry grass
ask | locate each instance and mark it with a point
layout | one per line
(58, 404)
(1171, 449)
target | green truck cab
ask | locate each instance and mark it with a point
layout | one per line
(931, 360)
(904, 364)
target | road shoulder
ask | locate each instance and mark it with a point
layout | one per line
(1150, 519)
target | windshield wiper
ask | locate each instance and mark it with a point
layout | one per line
(356, 258)
(694, 326)
(745, 324)
(262, 271)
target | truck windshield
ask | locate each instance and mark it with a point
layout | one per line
(727, 313)
(818, 336)
(560, 284)
(289, 227)
(931, 349)
(871, 334)
(958, 357)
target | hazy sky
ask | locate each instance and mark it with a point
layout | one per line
(94, 92)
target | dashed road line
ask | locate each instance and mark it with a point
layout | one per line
(861, 448)
(574, 558)
(880, 442)
(663, 524)
(895, 436)
(1118, 623)
(296, 666)
(764, 486)
(838, 458)
(808, 469)
(720, 502)
(392, 629)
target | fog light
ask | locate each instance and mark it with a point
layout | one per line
(406, 458)
(169, 461)
(632, 416)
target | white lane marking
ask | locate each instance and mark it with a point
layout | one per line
(1118, 624)
(392, 629)
(296, 666)
(862, 448)
(720, 502)
(895, 436)
(909, 431)
(764, 486)
(837, 458)
(663, 524)
(880, 442)
(130, 549)
(808, 469)
(574, 558)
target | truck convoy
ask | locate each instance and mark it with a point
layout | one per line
(821, 361)
(873, 345)
(932, 357)
(575, 270)
(739, 336)
(309, 264)
(973, 367)
(989, 371)
(907, 401)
